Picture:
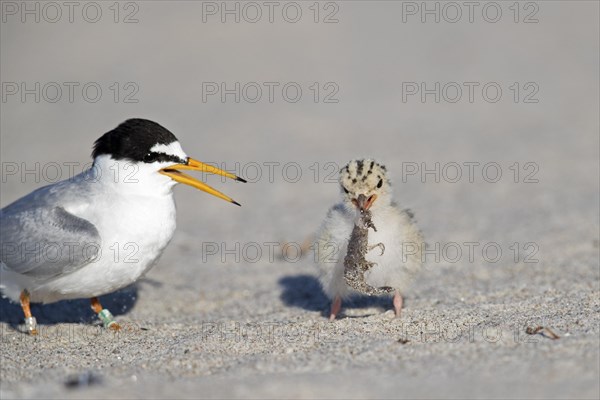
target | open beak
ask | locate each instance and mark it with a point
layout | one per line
(363, 202)
(195, 165)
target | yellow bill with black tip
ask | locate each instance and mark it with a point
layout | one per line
(195, 165)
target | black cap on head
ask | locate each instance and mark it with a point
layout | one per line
(132, 140)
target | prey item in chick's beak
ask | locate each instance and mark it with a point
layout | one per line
(363, 202)
(195, 165)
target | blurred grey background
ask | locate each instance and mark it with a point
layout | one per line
(369, 53)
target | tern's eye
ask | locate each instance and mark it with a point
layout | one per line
(150, 157)
(345, 190)
(380, 184)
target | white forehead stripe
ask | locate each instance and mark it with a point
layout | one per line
(171, 148)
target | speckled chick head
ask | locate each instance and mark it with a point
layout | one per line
(366, 177)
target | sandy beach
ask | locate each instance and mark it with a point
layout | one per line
(489, 128)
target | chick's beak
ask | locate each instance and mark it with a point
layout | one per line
(195, 165)
(363, 202)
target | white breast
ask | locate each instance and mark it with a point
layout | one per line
(394, 268)
(134, 230)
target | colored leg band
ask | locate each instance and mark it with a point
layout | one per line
(106, 317)
(31, 324)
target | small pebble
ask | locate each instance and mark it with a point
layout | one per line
(84, 379)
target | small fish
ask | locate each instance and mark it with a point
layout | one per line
(355, 264)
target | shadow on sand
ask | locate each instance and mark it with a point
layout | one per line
(69, 311)
(304, 291)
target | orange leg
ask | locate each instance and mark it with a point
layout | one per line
(30, 321)
(336, 305)
(397, 303)
(96, 306)
(105, 316)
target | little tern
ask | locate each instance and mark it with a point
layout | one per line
(57, 242)
(365, 186)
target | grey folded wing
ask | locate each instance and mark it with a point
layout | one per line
(45, 242)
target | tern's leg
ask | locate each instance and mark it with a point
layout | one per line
(336, 305)
(30, 321)
(105, 316)
(397, 303)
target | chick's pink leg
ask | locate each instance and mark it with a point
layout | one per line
(397, 303)
(336, 305)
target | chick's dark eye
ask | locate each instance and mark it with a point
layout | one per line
(345, 190)
(380, 184)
